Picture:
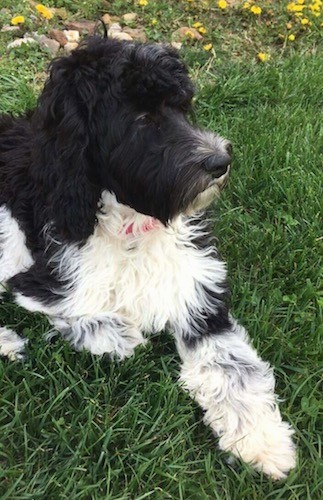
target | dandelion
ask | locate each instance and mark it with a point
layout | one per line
(207, 47)
(197, 25)
(17, 20)
(44, 11)
(314, 7)
(143, 3)
(262, 56)
(246, 5)
(300, 2)
(291, 37)
(255, 10)
(304, 21)
(189, 34)
(154, 21)
(292, 7)
(289, 26)
(202, 30)
(222, 4)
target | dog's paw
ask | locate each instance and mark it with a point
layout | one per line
(11, 345)
(268, 447)
(101, 334)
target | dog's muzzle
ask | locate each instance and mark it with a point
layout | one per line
(218, 166)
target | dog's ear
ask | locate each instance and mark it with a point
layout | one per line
(61, 164)
(155, 74)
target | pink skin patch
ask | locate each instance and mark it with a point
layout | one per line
(148, 225)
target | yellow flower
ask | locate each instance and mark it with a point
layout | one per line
(44, 11)
(222, 4)
(300, 2)
(262, 56)
(197, 25)
(143, 3)
(304, 21)
(255, 10)
(208, 47)
(189, 34)
(291, 38)
(289, 26)
(17, 20)
(154, 21)
(292, 7)
(314, 7)
(246, 5)
(202, 30)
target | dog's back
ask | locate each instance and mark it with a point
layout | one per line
(15, 147)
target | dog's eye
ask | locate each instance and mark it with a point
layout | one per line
(141, 118)
(147, 119)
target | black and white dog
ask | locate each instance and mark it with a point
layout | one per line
(102, 190)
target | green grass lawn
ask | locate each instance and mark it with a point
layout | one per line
(79, 427)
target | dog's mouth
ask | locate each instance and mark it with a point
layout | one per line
(209, 193)
(222, 180)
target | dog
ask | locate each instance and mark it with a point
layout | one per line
(103, 193)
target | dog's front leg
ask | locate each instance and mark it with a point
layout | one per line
(100, 332)
(235, 388)
(103, 333)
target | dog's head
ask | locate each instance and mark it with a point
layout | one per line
(114, 116)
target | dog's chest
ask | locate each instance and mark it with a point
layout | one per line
(145, 278)
(138, 269)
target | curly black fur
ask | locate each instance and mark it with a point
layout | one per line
(111, 116)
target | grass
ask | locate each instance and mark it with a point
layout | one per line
(80, 427)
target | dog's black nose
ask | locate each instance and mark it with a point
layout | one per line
(217, 164)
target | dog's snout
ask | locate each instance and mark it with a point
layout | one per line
(217, 164)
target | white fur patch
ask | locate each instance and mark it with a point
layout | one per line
(235, 388)
(14, 255)
(100, 334)
(147, 278)
(11, 345)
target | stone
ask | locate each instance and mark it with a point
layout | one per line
(82, 26)
(72, 35)
(136, 33)
(177, 45)
(109, 20)
(51, 45)
(120, 35)
(6, 27)
(70, 46)
(59, 36)
(130, 17)
(18, 42)
(106, 18)
(186, 33)
(114, 28)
